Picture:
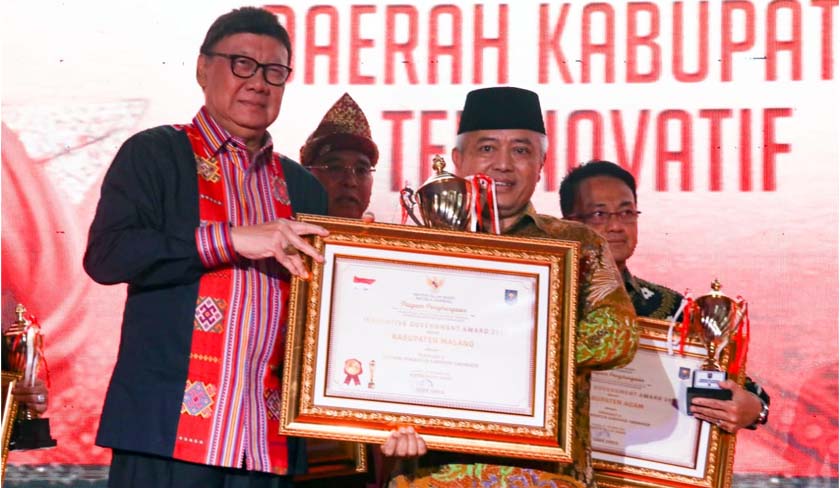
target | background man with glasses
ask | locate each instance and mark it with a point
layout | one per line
(603, 195)
(198, 220)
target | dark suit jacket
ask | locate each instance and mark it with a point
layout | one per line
(143, 234)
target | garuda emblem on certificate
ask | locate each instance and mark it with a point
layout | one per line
(434, 282)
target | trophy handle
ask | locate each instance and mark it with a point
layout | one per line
(741, 335)
(408, 203)
(719, 350)
(740, 314)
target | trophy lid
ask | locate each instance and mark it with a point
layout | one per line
(438, 163)
(715, 296)
(20, 321)
(717, 312)
(714, 290)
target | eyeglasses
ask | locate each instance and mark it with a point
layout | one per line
(337, 171)
(274, 74)
(600, 217)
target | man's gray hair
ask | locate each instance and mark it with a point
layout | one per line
(459, 142)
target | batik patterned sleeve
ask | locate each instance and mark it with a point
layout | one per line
(606, 331)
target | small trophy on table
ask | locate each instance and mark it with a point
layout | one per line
(717, 320)
(24, 347)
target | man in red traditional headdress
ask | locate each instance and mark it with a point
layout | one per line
(342, 155)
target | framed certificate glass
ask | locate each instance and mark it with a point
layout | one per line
(641, 435)
(466, 337)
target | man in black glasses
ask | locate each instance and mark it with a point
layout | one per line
(198, 220)
(602, 195)
(342, 155)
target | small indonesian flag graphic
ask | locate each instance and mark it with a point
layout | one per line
(362, 283)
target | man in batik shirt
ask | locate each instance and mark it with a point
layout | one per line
(603, 195)
(501, 134)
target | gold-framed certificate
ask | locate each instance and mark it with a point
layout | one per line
(469, 338)
(641, 433)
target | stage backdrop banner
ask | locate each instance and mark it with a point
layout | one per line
(726, 112)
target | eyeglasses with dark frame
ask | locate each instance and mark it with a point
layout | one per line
(600, 217)
(337, 170)
(274, 74)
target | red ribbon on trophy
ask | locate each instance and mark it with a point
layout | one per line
(688, 310)
(479, 182)
(741, 336)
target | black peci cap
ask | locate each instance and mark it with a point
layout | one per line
(501, 107)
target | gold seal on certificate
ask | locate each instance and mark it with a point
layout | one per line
(446, 201)
(716, 320)
(352, 368)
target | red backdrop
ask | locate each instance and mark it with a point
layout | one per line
(726, 112)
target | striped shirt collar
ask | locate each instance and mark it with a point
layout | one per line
(217, 138)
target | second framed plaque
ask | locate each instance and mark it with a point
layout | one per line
(641, 434)
(468, 338)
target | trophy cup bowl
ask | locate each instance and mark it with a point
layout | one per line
(446, 201)
(443, 201)
(714, 322)
(714, 318)
(23, 343)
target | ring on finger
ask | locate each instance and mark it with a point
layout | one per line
(289, 250)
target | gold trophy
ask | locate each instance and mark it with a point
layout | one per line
(446, 201)
(23, 344)
(371, 368)
(716, 319)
